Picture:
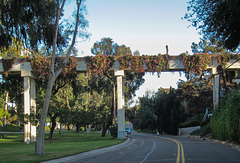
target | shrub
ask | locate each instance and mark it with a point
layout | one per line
(205, 122)
(191, 121)
(203, 131)
(47, 128)
(114, 131)
(226, 119)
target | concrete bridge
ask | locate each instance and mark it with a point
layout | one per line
(174, 64)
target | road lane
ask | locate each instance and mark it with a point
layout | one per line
(144, 148)
(180, 157)
(149, 148)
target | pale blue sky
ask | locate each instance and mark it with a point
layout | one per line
(144, 25)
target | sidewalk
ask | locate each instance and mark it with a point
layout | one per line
(185, 132)
(90, 153)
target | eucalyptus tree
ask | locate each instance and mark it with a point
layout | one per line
(40, 23)
(39, 149)
(31, 23)
(211, 46)
(216, 19)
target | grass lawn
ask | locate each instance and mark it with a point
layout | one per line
(68, 143)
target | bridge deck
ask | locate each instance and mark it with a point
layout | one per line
(174, 64)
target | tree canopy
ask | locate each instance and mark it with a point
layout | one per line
(32, 22)
(217, 19)
(107, 47)
(211, 46)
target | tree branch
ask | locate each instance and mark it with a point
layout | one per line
(74, 38)
(59, 12)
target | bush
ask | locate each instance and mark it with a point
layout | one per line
(114, 131)
(226, 119)
(191, 123)
(203, 131)
(10, 128)
(205, 122)
(47, 128)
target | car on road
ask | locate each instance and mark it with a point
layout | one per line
(128, 130)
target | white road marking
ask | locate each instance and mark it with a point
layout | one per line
(154, 146)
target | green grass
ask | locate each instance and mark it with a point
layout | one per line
(68, 143)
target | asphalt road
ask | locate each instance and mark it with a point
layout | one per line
(161, 148)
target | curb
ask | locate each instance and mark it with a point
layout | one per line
(90, 153)
(226, 143)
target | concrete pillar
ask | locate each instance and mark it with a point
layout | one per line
(27, 129)
(120, 104)
(30, 131)
(33, 108)
(216, 88)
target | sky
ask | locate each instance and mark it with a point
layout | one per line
(143, 25)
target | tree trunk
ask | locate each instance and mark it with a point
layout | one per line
(60, 130)
(53, 121)
(5, 110)
(104, 130)
(77, 128)
(39, 147)
(114, 104)
(88, 128)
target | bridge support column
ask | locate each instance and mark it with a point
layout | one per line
(216, 88)
(29, 106)
(120, 104)
(33, 109)
(27, 125)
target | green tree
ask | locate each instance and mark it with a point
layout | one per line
(107, 47)
(196, 94)
(2, 109)
(162, 111)
(136, 53)
(146, 115)
(39, 148)
(93, 105)
(104, 47)
(216, 19)
(168, 110)
(211, 46)
(39, 24)
(13, 84)
(32, 23)
(14, 50)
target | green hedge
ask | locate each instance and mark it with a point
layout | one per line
(225, 122)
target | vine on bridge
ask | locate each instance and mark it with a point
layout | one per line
(102, 64)
(198, 63)
(41, 68)
(7, 65)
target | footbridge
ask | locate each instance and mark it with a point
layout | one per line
(175, 63)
